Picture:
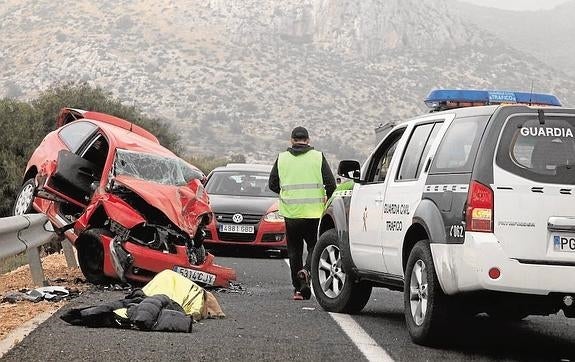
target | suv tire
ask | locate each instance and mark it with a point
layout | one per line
(334, 289)
(91, 255)
(424, 301)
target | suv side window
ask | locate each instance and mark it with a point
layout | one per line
(459, 146)
(75, 134)
(416, 151)
(381, 160)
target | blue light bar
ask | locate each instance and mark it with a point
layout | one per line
(441, 97)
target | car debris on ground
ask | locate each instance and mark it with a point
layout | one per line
(51, 293)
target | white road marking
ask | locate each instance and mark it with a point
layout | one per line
(366, 345)
(370, 349)
(19, 333)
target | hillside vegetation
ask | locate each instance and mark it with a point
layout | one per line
(234, 77)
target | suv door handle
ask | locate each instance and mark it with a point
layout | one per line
(378, 200)
(556, 223)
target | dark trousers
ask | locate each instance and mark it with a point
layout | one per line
(298, 230)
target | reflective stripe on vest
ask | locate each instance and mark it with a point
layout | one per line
(302, 193)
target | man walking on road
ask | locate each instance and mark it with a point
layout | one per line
(303, 178)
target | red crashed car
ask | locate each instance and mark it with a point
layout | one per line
(130, 206)
(245, 209)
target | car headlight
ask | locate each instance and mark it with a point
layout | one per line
(273, 216)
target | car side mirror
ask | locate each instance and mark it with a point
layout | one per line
(349, 169)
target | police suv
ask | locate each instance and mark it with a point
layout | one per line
(468, 209)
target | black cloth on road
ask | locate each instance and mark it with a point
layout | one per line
(154, 313)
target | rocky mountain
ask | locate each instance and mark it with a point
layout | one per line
(546, 35)
(235, 76)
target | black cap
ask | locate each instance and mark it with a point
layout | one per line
(299, 133)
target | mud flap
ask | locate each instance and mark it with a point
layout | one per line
(121, 259)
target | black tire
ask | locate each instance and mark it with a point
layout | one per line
(341, 294)
(429, 325)
(91, 255)
(25, 199)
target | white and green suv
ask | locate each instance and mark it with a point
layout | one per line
(467, 209)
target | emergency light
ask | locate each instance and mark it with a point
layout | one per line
(442, 99)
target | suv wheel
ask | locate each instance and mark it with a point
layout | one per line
(424, 301)
(334, 289)
(25, 198)
(91, 255)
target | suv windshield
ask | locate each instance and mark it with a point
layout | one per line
(240, 183)
(155, 168)
(540, 152)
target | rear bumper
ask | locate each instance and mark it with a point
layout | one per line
(267, 236)
(464, 268)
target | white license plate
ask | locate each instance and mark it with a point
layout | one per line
(239, 228)
(196, 275)
(564, 242)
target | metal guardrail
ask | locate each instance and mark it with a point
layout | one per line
(27, 233)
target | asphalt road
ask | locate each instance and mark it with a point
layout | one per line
(263, 323)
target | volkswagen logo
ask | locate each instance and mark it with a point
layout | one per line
(237, 218)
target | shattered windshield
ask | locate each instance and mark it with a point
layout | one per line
(154, 168)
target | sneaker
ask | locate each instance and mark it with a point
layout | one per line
(305, 290)
(297, 296)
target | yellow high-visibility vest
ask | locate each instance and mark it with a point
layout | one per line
(301, 185)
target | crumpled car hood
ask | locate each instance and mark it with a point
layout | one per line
(179, 203)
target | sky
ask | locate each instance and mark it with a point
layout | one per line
(518, 4)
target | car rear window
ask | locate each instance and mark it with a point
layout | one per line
(540, 151)
(456, 153)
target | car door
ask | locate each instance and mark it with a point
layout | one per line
(72, 179)
(404, 190)
(76, 174)
(367, 206)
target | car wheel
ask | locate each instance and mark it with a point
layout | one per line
(424, 301)
(334, 289)
(25, 199)
(91, 255)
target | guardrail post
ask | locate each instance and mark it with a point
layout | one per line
(69, 254)
(36, 266)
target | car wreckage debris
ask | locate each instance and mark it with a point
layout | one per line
(51, 293)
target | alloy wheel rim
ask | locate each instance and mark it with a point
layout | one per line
(418, 295)
(24, 200)
(330, 271)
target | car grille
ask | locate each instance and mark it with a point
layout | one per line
(236, 237)
(226, 217)
(249, 219)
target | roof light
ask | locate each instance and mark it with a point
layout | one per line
(442, 99)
